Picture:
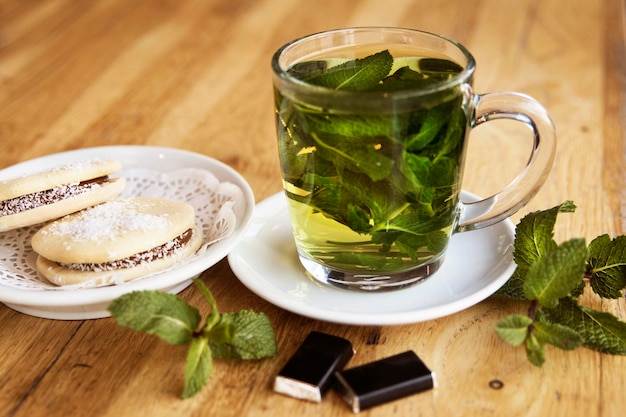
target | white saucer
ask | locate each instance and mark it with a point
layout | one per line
(22, 290)
(265, 260)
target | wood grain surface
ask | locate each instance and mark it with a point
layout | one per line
(195, 75)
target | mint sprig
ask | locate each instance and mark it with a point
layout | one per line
(239, 335)
(552, 277)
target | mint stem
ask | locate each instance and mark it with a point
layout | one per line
(532, 311)
(214, 316)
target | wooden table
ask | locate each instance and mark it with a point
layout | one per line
(195, 75)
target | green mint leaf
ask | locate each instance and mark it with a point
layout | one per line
(534, 235)
(354, 153)
(434, 66)
(607, 264)
(534, 350)
(431, 124)
(378, 127)
(514, 329)
(454, 134)
(308, 69)
(402, 79)
(556, 273)
(600, 331)
(533, 238)
(356, 75)
(198, 367)
(557, 335)
(157, 313)
(349, 259)
(244, 334)
(430, 70)
(514, 287)
(579, 290)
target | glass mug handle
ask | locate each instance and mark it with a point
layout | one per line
(525, 109)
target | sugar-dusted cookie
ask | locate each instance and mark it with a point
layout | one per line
(116, 241)
(56, 192)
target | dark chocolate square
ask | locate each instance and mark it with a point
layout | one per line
(384, 380)
(310, 372)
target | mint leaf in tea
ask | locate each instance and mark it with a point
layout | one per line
(372, 178)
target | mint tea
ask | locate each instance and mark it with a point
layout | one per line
(372, 178)
(372, 124)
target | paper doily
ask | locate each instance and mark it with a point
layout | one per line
(212, 200)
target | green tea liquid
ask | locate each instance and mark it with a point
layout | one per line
(372, 174)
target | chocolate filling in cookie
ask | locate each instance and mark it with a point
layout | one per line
(153, 254)
(42, 198)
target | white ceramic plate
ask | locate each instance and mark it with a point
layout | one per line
(477, 264)
(87, 303)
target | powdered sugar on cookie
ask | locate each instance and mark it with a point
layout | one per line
(106, 221)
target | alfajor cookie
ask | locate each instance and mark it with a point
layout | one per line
(56, 192)
(116, 241)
